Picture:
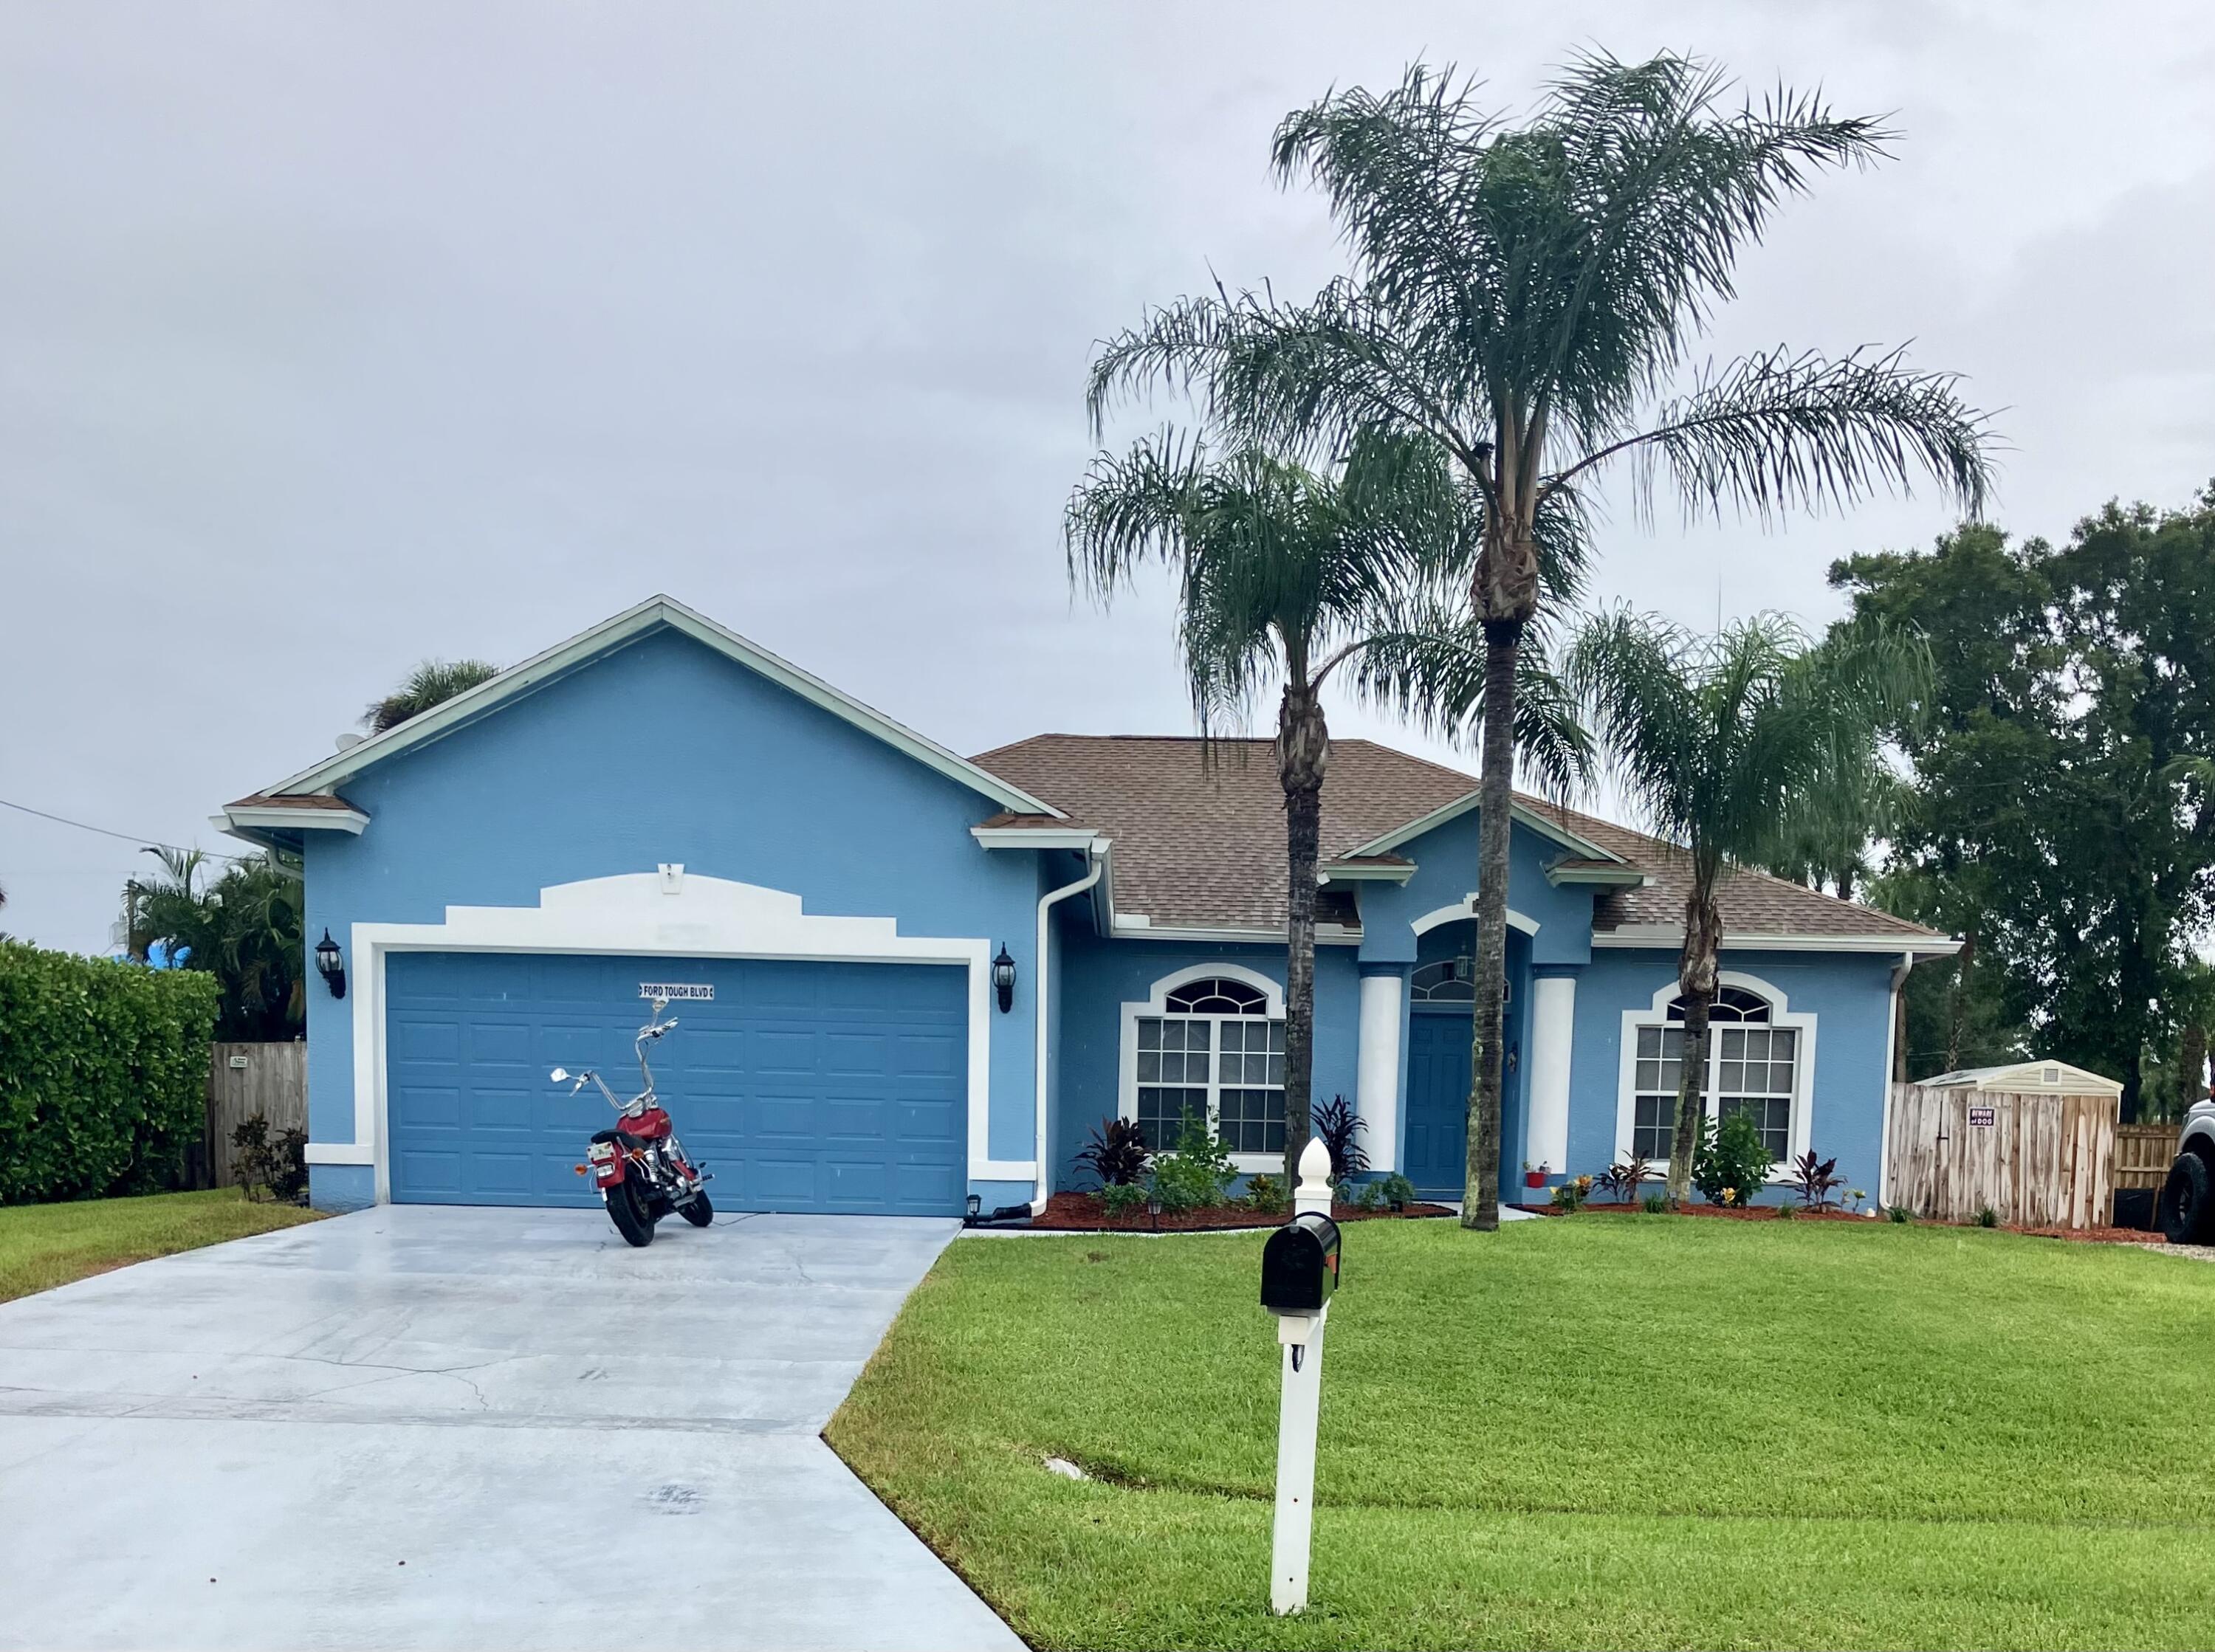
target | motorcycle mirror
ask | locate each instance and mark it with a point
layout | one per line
(560, 1075)
(660, 1005)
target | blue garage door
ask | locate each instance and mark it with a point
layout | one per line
(803, 1086)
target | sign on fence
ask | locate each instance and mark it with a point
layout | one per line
(1980, 1119)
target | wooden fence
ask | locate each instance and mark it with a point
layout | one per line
(2143, 1153)
(243, 1080)
(2037, 1161)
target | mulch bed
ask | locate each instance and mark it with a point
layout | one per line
(1080, 1213)
(1768, 1213)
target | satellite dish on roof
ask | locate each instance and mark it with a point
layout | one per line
(349, 740)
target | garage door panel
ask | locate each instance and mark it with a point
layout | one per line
(803, 1086)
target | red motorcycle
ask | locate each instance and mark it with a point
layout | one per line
(639, 1167)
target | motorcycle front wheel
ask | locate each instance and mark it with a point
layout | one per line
(698, 1211)
(629, 1214)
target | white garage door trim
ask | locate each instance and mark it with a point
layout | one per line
(672, 912)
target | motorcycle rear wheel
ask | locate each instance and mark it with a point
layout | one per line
(629, 1214)
(698, 1211)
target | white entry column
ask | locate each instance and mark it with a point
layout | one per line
(1553, 1029)
(1377, 1071)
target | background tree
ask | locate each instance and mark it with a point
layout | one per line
(243, 928)
(432, 683)
(2062, 815)
(1732, 746)
(1528, 296)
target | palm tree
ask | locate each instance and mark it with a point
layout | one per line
(1733, 746)
(431, 683)
(1528, 296)
(245, 927)
(1282, 571)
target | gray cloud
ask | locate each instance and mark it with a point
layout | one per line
(333, 337)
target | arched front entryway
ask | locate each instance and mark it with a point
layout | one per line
(1434, 1151)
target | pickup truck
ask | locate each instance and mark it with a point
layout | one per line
(2187, 1198)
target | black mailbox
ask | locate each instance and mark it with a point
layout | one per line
(1299, 1265)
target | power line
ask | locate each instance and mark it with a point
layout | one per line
(127, 837)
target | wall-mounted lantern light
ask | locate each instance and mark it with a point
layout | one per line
(1004, 979)
(331, 966)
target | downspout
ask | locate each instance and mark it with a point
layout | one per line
(1891, 1066)
(1097, 852)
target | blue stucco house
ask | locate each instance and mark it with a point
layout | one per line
(659, 805)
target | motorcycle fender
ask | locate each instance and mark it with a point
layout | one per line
(607, 1162)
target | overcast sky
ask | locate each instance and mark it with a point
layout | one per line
(335, 337)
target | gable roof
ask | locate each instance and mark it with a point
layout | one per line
(656, 613)
(1200, 844)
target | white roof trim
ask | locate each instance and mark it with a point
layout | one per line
(1461, 805)
(349, 821)
(1671, 935)
(1131, 925)
(614, 632)
(1342, 872)
(1036, 837)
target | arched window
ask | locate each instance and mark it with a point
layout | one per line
(1753, 1068)
(1214, 1053)
(1449, 981)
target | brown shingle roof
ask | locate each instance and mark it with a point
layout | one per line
(290, 800)
(1202, 845)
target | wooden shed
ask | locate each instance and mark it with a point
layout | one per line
(2031, 1078)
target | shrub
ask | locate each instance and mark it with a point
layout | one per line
(1399, 1191)
(1266, 1195)
(1369, 1196)
(1622, 1181)
(1337, 1126)
(1657, 1204)
(1572, 1194)
(1901, 1214)
(1816, 1179)
(1196, 1175)
(1121, 1199)
(103, 1073)
(1116, 1153)
(1987, 1217)
(280, 1168)
(1731, 1165)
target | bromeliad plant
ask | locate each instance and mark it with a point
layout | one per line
(1339, 1128)
(1816, 1180)
(1117, 1152)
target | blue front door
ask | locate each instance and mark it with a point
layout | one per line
(1437, 1104)
(802, 1086)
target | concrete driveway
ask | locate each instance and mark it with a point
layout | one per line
(417, 1426)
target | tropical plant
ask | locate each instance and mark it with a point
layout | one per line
(244, 927)
(1399, 1192)
(1731, 1164)
(1121, 1199)
(1729, 745)
(1528, 297)
(1339, 1128)
(276, 1165)
(1622, 1181)
(1570, 1196)
(1196, 1174)
(432, 683)
(1116, 1153)
(1815, 1179)
(1281, 571)
(1266, 1195)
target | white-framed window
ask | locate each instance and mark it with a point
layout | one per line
(1209, 1043)
(1760, 1059)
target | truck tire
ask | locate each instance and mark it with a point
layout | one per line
(2187, 1199)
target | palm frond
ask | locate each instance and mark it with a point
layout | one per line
(432, 683)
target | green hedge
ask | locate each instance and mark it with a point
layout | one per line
(103, 1073)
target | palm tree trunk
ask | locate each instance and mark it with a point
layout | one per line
(1495, 806)
(1695, 980)
(1302, 755)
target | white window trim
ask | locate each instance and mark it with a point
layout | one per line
(649, 914)
(1780, 1015)
(1157, 1003)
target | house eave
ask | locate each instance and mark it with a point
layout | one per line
(1656, 935)
(1136, 926)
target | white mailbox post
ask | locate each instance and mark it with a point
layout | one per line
(1299, 1271)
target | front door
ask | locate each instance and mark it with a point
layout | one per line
(1437, 1104)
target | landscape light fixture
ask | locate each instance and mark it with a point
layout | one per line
(331, 966)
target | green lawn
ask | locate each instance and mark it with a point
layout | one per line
(43, 1245)
(1606, 1430)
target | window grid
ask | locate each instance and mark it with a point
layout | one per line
(1215, 1055)
(1752, 1068)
